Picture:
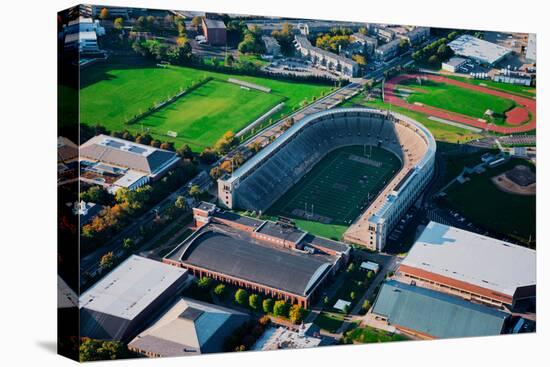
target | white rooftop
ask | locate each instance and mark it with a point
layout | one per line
(473, 258)
(369, 265)
(130, 178)
(341, 304)
(478, 49)
(130, 287)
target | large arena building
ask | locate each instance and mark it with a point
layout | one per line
(272, 258)
(263, 179)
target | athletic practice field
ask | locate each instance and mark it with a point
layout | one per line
(206, 113)
(480, 200)
(337, 189)
(461, 102)
(113, 93)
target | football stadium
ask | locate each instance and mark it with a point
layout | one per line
(382, 159)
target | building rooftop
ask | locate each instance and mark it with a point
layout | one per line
(241, 219)
(306, 44)
(128, 289)
(287, 233)
(220, 249)
(189, 327)
(434, 313)
(473, 258)
(80, 36)
(478, 49)
(214, 23)
(124, 153)
(455, 61)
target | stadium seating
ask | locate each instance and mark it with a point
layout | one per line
(283, 167)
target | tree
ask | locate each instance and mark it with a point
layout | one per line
(366, 305)
(346, 309)
(296, 314)
(97, 195)
(433, 59)
(264, 321)
(195, 191)
(216, 173)
(205, 283)
(128, 244)
(254, 301)
(219, 290)
(370, 274)
(185, 152)
(196, 21)
(118, 24)
(241, 296)
(180, 202)
(167, 145)
(99, 350)
(326, 300)
(208, 156)
(351, 267)
(352, 295)
(107, 261)
(280, 308)
(267, 305)
(104, 14)
(360, 59)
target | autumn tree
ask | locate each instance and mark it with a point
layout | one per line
(104, 14)
(107, 260)
(296, 314)
(118, 24)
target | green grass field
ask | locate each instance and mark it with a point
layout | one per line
(206, 113)
(112, 93)
(370, 335)
(456, 99)
(339, 188)
(328, 321)
(482, 202)
(440, 131)
(520, 90)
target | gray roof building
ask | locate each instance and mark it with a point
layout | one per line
(118, 305)
(188, 327)
(432, 314)
(123, 153)
(237, 257)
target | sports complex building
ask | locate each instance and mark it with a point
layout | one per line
(475, 267)
(273, 258)
(267, 176)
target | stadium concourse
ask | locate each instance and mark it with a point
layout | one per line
(262, 180)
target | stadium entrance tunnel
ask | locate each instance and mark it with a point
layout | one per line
(267, 176)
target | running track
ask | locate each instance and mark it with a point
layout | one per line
(528, 103)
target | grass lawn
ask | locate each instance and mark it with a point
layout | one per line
(329, 322)
(206, 113)
(339, 188)
(440, 131)
(371, 335)
(111, 93)
(520, 90)
(456, 99)
(482, 202)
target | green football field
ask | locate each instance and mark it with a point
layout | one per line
(112, 93)
(205, 114)
(338, 188)
(456, 99)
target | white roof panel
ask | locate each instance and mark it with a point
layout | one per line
(473, 258)
(130, 287)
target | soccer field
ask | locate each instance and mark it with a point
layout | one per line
(206, 113)
(112, 93)
(337, 189)
(456, 99)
